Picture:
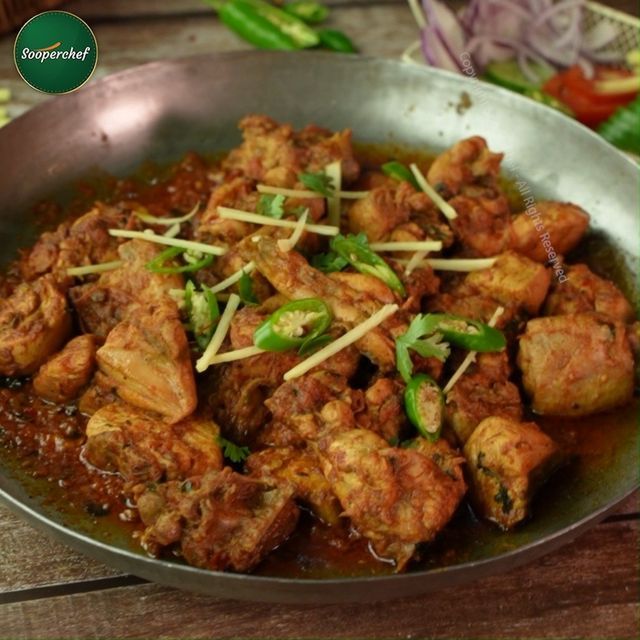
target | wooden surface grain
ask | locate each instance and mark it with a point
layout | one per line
(542, 599)
(587, 589)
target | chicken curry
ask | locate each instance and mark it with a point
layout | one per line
(291, 334)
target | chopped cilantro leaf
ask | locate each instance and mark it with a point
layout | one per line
(232, 451)
(503, 498)
(414, 338)
(328, 262)
(318, 182)
(271, 206)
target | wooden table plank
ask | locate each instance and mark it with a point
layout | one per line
(539, 600)
(56, 564)
(35, 560)
(383, 30)
(110, 9)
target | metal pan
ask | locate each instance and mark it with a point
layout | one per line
(160, 110)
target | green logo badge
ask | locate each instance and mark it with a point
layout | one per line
(55, 52)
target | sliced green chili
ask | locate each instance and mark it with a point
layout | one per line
(309, 11)
(203, 313)
(355, 250)
(302, 35)
(159, 263)
(245, 289)
(293, 325)
(256, 29)
(424, 404)
(336, 41)
(469, 334)
(400, 172)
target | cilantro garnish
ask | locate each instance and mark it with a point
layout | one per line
(328, 262)
(319, 182)
(232, 451)
(271, 206)
(421, 337)
(332, 261)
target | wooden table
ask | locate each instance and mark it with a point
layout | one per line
(587, 589)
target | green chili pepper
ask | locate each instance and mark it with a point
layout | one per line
(424, 404)
(302, 35)
(355, 250)
(400, 172)
(253, 27)
(309, 11)
(158, 264)
(245, 289)
(293, 325)
(189, 290)
(469, 334)
(203, 313)
(336, 41)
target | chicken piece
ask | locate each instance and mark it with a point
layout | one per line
(300, 469)
(296, 407)
(241, 389)
(379, 212)
(247, 320)
(507, 461)
(291, 275)
(83, 242)
(384, 409)
(421, 283)
(450, 460)
(482, 225)
(239, 193)
(43, 255)
(147, 358)
(142, 448)
(584, 291)
(396, 498)
(221, 520)
(108, 300)
(392, 207)
(467, 163)
(576, 365)
(275, 154)
(483, 391)
(64, 376)
(513, 279)
(555, 227)
(89, 241)
(324, 147)
(34, 324)
(466, 302)
(365, 284)
(98, 394)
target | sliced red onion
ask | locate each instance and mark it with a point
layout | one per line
(449, 29)
(435, 51)
(571, 35)
(556, 8)
(542, 31)
(468, 14)
(513, 6)
(587, 67)
(527, 71)
(524, 58)
(544, 46)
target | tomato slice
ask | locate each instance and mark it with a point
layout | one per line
(579, 93)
